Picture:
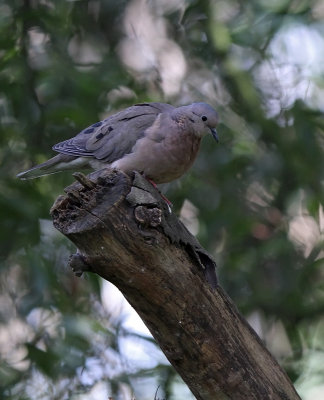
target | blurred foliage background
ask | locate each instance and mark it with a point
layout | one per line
(254, 200)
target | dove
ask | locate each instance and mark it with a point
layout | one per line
(156, 139)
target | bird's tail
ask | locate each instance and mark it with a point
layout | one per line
(56, 164)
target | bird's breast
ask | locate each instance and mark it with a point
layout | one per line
(162, 157)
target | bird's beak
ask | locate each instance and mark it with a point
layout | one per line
(214, 133)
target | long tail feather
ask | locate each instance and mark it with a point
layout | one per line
(56, 164)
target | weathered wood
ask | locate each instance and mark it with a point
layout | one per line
(125, 233)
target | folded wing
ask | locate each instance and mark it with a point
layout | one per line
(110, 139)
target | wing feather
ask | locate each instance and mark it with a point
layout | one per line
(112, 138)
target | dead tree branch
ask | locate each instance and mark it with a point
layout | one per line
(125, 233)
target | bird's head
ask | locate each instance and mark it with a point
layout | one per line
(201, 118)
(205, 119)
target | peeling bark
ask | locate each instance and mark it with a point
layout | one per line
(125, 232)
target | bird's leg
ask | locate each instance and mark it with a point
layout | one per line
(161, 194)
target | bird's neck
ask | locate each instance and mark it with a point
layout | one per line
(179, 113)
(181, 117)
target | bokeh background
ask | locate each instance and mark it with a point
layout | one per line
(254, 200)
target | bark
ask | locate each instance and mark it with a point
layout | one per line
(125, 232)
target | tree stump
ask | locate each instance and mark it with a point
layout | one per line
(125, 232)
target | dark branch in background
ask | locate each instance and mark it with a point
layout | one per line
(36, 127)
(125, 233)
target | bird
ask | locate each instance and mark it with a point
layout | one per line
(158, 140)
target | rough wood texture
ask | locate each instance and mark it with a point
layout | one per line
(125, 233)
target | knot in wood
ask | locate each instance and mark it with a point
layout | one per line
(78, 264)
(148, 216)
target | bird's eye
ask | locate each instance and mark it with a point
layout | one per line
(204, 118)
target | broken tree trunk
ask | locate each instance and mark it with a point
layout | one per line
(125, 233)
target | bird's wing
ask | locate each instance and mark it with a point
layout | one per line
(112, 138)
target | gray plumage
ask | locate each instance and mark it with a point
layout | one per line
(156, 139)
